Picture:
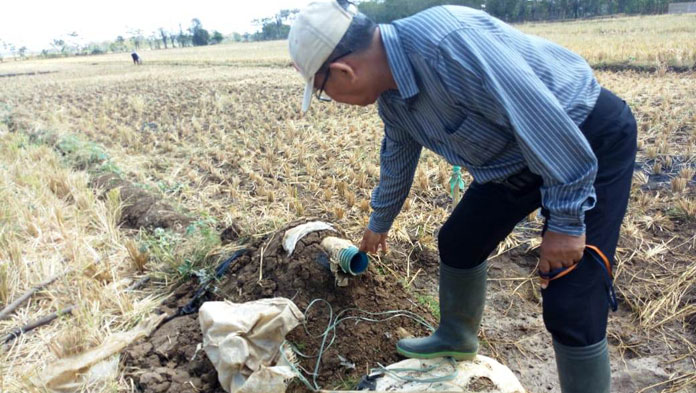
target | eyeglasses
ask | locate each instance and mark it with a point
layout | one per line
(320, 93)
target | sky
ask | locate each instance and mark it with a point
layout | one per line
(35, 24)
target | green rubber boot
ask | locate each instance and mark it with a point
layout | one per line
(583, 369)
(462, 296)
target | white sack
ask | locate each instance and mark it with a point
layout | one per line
(468, 372)
(243, 342)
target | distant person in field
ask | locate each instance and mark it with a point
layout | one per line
(136, 58)
(528, 120)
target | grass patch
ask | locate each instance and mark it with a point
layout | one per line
(77, 152)
(186, 255)
(431, 303)
(347, 383)
(83, 154)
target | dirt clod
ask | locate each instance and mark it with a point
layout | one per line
(230, 234)
(168, 361)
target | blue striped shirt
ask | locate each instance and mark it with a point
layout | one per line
(489, 98)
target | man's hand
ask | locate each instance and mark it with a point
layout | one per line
(559, 250)
(372, 241)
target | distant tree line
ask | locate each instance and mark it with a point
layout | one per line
(195, 35)
(277, 27)
(384, 11)
(17, 53)
(72, 44)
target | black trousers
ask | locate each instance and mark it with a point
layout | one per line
(575, 306)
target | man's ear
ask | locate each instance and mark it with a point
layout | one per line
(345, 70)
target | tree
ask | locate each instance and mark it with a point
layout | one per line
(387, 10)
(183, 38)
(153, 40)
(73, 43)
(164, 37)
(136, 37)
(199, 35)
(22, 52)
(59, 45)
(119, 45)
(95, 50)
(216, 38)
(276, 27)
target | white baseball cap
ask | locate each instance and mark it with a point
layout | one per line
(314, 34)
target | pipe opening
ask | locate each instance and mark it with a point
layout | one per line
(353, 261)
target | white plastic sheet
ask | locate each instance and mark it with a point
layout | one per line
(98, 364)
(483, 372)
(243, 341)
(293, 235)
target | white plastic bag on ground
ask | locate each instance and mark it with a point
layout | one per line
(97, 364)
(293, 235)
(482, 374)
(243, 341)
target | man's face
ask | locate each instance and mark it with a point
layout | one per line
(344, 84)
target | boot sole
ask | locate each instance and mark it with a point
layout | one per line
(452, 354)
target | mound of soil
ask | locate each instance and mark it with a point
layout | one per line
(142, 209)
(163, 363)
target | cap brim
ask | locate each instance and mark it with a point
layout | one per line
(308, 93)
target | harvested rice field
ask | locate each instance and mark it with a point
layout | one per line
(123, 187)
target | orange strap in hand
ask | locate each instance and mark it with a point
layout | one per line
(545, 278)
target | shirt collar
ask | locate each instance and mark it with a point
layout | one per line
(400, 66)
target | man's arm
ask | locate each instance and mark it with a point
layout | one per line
(399, 156)
(551, 142)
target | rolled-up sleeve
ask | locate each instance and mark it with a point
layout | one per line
(399, 157)
(552, 144)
